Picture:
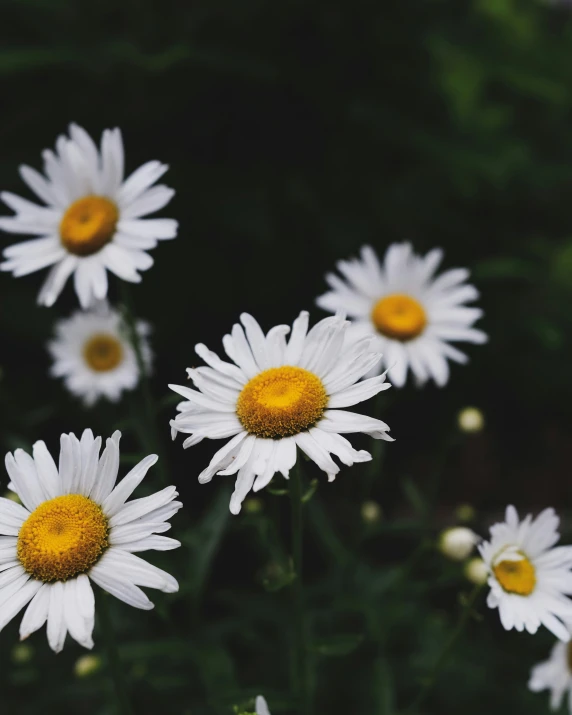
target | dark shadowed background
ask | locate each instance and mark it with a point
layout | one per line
(295, 133)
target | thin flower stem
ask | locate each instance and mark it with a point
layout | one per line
(113, 660)
(446, 651)
(144, 417)
(300, 679)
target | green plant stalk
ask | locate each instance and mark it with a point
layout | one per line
(145, 418)
(300, 674)
(113, 661)
(446, 651)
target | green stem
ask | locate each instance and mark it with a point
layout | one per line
(113, 660)
(144, 416)
(446, 651)
(300, 681)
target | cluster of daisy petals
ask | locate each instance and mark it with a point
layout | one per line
(274, 395)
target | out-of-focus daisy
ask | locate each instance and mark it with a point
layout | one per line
(92, 221)
(276, 397)
(92, 353)
(555, 674)
(413, 314)
(529, 579)
(76, 526)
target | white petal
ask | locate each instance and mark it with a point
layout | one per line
(56, 622)
(107, 470)
(151, 543)
(359, 392)
(12, 516)
(139, 571)
(343, 422)
(18, 600)
(140, 507)
(37, 612)
(317, 454)
(56, 280)
(261, 706)
(115, 501)
(79, 629)
(47, 470)
(122, 589)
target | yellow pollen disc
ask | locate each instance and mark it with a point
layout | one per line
(88, 224)
(103, 352)
(399, 316)
(280, 402)
(62, 538)
(516, 576)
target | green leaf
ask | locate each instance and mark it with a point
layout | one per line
(310, 491)
(413, 495)
(206, 539)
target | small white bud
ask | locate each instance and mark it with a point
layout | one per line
(476, 571)
(457, 543)
(470, 419)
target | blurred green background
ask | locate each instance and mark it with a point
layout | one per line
(296, 132)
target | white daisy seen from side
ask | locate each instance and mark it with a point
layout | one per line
(92, 353)
(529, 579)
(555, 675)
(76, 526)
(276, 397)
(93, 219)
(413, 314)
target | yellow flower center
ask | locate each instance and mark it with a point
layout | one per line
(88, 224)
(281, 401)
(399, 316)
(516, 576)
(103, 352)
(62, 538)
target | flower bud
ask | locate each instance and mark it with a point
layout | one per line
(470, 420)
(465, 512)
(87, 665)
(253, 505)
(457, 543)
(22, 653)
(476, 571)
(370, 512)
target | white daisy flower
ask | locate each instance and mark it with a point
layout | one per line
(92, 221)
(92, 353)
(75, 526)
(413, 314)
(275, 397)
(529, 579)
(555, 674)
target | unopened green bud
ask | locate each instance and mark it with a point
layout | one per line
(87, 665)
